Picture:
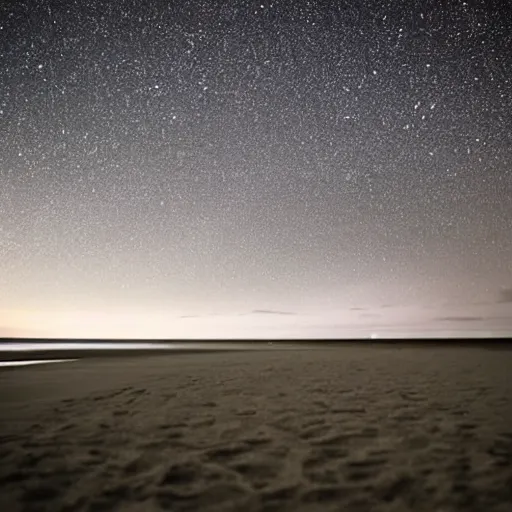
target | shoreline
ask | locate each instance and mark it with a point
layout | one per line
(28, 349)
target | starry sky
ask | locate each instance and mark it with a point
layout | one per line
(254, 169)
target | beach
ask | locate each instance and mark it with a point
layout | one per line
(353, 427)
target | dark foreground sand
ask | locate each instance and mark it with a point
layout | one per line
(366, 429)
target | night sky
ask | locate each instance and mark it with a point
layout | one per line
(208, 168)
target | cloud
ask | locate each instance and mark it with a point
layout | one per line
(270, 312)
(505, 296)
(461, 318)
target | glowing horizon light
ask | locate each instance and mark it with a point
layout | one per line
(130, 346)
(35, 361)
(29, 347)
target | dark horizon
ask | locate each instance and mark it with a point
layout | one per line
(363, 340)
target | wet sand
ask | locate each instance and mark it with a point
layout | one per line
(349, 428)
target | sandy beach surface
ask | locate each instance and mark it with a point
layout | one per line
(349, 428)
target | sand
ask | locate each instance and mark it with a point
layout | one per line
(350, 428)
